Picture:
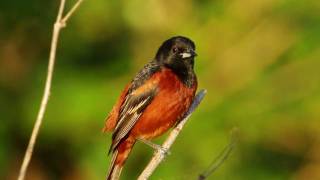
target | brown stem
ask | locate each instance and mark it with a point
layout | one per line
(58, 25)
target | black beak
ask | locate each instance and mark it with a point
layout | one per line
(193, 53)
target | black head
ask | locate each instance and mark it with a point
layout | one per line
(177, 53)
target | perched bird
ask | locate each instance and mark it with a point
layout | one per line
(154, 101)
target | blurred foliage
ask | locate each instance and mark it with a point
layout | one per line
(259, 61)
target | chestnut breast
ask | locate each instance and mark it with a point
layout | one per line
(172, 100)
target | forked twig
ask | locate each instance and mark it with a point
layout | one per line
(58, 25)
(160, 155)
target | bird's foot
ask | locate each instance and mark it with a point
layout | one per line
(156, 147)
(163, 150)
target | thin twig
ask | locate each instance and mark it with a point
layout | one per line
(58, 25)
(160, 155)
(222, 157)
(70, 13)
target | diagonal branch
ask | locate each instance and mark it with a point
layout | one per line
(70, 13)
(58, 25)
(222, 157)
(159, 156)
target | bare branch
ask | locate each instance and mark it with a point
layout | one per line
(61, 9)
(217, 162)
(70, 13)
(59, 24)
(160, 155)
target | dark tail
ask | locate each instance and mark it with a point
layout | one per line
(114, 169)
(119, 157)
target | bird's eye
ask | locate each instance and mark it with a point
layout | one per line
(175, 50)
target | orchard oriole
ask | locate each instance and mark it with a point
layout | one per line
(154, 101)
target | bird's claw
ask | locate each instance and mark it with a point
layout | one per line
(158, 148)
(163, 150)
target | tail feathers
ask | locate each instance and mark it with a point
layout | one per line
(119, 157)
(114, 169)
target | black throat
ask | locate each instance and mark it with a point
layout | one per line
(184, 71)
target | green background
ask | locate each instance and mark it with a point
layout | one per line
(258, 59)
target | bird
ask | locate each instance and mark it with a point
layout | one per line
(154, 101)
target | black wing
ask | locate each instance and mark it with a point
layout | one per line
(134, 104)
